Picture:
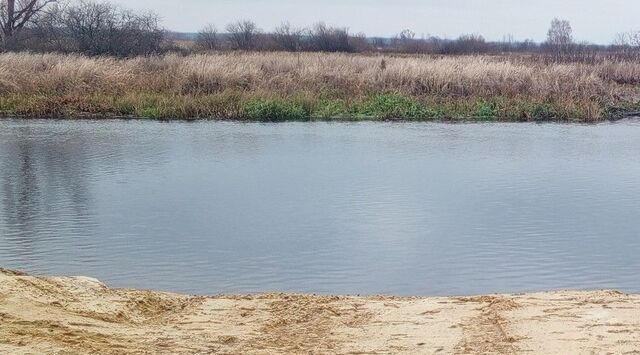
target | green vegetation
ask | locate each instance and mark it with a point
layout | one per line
(275, 110)
(392, 105)
(239, 106)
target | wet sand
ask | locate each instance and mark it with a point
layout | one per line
(79, 315)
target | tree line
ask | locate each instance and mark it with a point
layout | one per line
(245, 35)
(93, 28)
(102, 28)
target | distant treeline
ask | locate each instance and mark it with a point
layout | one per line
(324, 38)
(102, 28)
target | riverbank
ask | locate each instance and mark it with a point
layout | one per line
(317, 86)
(82, 315)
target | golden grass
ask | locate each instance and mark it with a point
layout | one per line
(332, 76)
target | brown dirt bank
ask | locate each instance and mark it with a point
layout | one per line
(78, 315)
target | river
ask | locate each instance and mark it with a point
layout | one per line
(341, 208)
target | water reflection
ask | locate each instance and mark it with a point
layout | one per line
(319, 207)
(21, 191)
(46, 202)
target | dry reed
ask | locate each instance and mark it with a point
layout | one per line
(333, 76)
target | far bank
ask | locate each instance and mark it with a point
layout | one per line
(317, 86)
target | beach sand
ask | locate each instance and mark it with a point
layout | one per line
(80, 315)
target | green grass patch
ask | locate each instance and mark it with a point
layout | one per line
(331, 109)
(486, 110)
(268, 107)
(393, 105)
(275, 110)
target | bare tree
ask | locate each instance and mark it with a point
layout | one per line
(15, 15)
(634, 38)
(406, 41)
(288, 38)
(207, 38)
(47, 34)
(329, 39)
(628, 39)
(87, 24)
(360, 43)
(621, 39)
(406, 35)
(472, 43)
(243, 34)
(104, 28)
(560, 35)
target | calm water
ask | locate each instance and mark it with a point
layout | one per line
(427, 209)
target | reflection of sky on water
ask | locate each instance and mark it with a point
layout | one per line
(323, 207)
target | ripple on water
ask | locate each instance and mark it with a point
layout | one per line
(213, 207)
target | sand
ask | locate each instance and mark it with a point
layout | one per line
(80, 315)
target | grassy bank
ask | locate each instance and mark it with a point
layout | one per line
(285, 86)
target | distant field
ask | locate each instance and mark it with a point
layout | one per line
(290, 86)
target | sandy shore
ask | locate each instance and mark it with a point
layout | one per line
(78, 315)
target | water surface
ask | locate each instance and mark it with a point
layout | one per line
(358, 208)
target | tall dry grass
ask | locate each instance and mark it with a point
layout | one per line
(341, 76)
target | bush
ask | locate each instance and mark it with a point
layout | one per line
(207, 38)
(243, 35)
(95, 28)
(324, 38)
(103, 28)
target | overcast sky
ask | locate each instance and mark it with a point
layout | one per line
(593, 20)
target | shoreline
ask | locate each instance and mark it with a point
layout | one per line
(82, 116)
(82, 315)
(380, 107)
